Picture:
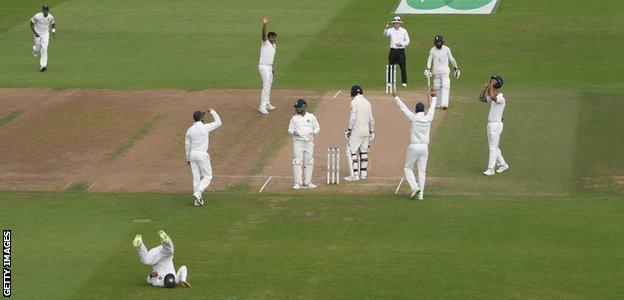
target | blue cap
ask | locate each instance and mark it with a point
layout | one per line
(197, 115)
(499, 81)
(169, 281)
(301, 103)
(420, 107)
(355, 90)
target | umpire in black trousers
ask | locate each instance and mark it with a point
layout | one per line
(399, 39)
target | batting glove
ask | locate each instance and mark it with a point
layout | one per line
(348, 134)
(428, 73)
(457, 73)
(371, 135)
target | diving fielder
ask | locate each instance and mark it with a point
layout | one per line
(40, 25)
(160, 258)
(197, 157)
(418, 149)
(399, 39)
(265, 66)
(439, 58)
(303, 127)
(360, 132)
(492, 96)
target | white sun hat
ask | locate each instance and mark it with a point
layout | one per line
(397, 19)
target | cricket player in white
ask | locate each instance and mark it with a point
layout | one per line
(360, 132)
(265, 66)
(197, 157)
(492, 96)
(303, 127)
(41, 24)
(418, 149)
(439, 58)
(160, 258)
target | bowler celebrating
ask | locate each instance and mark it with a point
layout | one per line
(360, 131)
(197, 157)
(439, 58)
(161, 260)
(399, 39)
(265, 66)
(303, 127)
(492, 96)
(40, 25)
(418, 149)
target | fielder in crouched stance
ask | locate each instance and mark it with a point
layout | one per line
(360, 132)
(161, 260)
(303, 127)
(492, 96)
(197, 157)
(418, 150)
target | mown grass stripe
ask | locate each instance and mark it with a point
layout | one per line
(143, 130)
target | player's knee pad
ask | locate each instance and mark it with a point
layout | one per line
(363, 156)
(354, 157)
(297, 161)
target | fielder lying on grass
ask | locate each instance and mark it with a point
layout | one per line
(161, 260)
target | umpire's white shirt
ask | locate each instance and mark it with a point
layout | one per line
(267, 53)
(420, 122)
(197, 135)
(440, 59)
(305, 126)
(397, 36)
(496, 108)
(42, 23)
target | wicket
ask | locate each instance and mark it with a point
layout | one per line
(333, 165)
(390, 78)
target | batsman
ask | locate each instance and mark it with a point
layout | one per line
(360, 132)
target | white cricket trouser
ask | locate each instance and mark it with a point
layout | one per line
(416, 154)
(160, 258)
(494, 131)
(358, 146)
(202, 171)
(41, 47)
(266, 74)
(442, 85)
(303, 162)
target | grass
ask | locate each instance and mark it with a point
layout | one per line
(6, 119)
(141, 131)
(332, 246)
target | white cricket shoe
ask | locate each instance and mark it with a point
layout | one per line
(352, 178)
(420, 197)
(502, 168)
(404, 84)
(197, 204)
(415, 192)
(138, 241)
(489, 172)
(297, 187)
(270, 107)
(311, 186)
(263, 111)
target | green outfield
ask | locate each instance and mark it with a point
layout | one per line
(548, 228)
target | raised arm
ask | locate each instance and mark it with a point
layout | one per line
(265, 23)
(484, 91)
(385, 32)
(217, 120)
(409, 114)
(492, 92)
(432, 104)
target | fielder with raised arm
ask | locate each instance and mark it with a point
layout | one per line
(160, 258)
(41, 24)
(303, 127)
(494, 97)
(265, 66)
(418, 149)
(439, 58)
(360, 131)
(197, 157)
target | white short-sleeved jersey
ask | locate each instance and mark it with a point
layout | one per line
(267, 53)
(306, 127)
(42, 23)
(496, 108)
(440, 59)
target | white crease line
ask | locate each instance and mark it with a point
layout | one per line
(337, 93)
(265, 184)
(398, 187)
(68, 184)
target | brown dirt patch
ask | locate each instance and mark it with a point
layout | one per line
(66, 136)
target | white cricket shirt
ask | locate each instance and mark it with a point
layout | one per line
(267, 53)
(496, 108)
(420, 122)
(197, 135)
(306, 127)
(397, 36)
(42, 24)
(440, 59)
(361, 120)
